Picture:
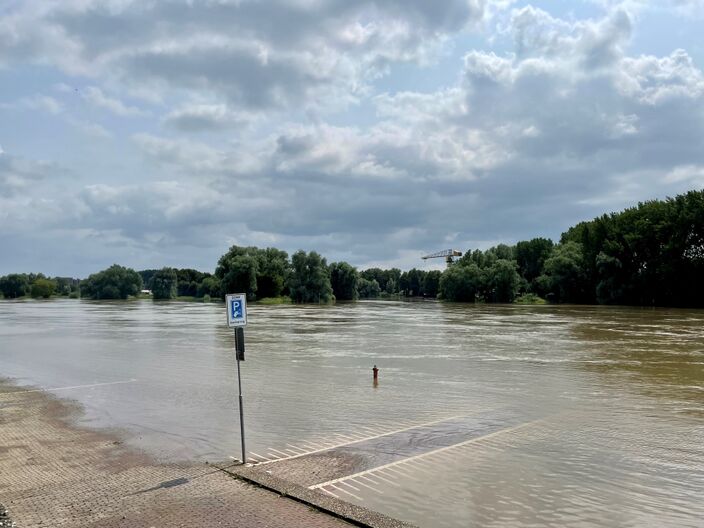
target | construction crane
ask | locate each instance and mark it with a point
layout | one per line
(449, 255)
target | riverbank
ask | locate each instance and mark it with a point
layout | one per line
(54, 473)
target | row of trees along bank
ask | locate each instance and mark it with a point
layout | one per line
(652, 254)
(37, 285)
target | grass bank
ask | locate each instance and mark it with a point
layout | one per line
(529, 298)
(274, 300)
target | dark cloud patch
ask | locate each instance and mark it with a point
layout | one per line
(236, 72)
(18, 176)
(207, 117)
(259, 55)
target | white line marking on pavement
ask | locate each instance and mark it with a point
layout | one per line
(329, 493)
(345, 491)
(367, 477)
(382, 477)
(367, 486)
(75, 387)
(295, 449)
(445, 456)
(351, 486)
(364, 439)
(402, 472)
(391, 465)
(421, 468)
(373, 430)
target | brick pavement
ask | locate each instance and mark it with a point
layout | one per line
(55, 474)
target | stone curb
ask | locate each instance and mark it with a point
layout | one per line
(353, 514)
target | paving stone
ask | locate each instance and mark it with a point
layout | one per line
(53, 473)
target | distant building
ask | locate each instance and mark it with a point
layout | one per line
(146, 292)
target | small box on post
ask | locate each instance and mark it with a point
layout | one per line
(239, 343)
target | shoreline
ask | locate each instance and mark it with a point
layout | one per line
(54, 471)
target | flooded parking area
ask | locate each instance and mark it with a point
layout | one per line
(487, 415)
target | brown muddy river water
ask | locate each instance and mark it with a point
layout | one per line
(504, 416)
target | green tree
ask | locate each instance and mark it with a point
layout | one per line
(344, 279)
(309, 280)
(531, 256)
(238, 274)
(43, 288)
(461, 283)
(431, 283)
(188, 280)
(411, 281)
(564, 275)
(376, 274)
(14, 285)
(609, 289)
(648, 254)
(272, 270)
(165, 284)
(503, 252)
(65, 286)
(501, 281)
(210, 286)
(368, 289)
(388, 280)
(115, 282)
(147, 276)
(482, 259)
(258, 272)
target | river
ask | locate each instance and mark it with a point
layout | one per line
(567, 415)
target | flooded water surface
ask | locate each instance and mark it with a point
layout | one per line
(510, 416)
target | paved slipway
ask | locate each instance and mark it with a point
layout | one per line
(53, 473)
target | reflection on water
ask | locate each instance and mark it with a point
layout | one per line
(619, 394)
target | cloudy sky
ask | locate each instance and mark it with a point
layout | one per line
(153, 133)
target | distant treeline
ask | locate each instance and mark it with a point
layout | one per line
(38, 286)
(652, 254)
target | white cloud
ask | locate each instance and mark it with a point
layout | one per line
(690, 174)
(524, 143)
(184, 154)
(96, 97)
(92, 129)
(257, 55)
(37, 102)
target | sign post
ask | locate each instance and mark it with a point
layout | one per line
(236, 305)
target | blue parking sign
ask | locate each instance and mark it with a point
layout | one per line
(236, 309)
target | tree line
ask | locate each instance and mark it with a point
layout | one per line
(651, 254)
(648, 255)
(38, 286)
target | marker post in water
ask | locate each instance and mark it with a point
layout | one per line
(236, 304)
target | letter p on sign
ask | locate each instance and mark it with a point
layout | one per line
(236, 304)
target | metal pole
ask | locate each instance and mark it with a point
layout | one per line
(239, 382)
